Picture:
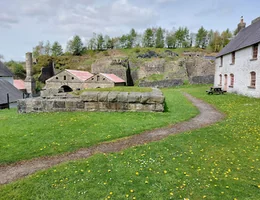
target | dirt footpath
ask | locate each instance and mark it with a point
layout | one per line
(208, 115)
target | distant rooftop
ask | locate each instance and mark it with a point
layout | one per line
(8, 88)
(113, 78)
(4, 71)
(82, 75)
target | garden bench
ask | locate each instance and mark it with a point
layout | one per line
(216, 90)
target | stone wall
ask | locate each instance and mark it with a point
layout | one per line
(202, 79)
(162, 84)
(96, 101)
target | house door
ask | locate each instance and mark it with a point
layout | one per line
(226, 83)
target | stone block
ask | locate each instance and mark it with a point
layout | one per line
(159, 107)
(89, 96)
(102, 96)
(91, 106)
(134, 97)
(122, 97)
(59, 104)
(145, 97)
(154, 98)
(112, 96)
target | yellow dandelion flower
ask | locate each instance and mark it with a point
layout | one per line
(165, 171)
(171, 193)
(136, 173)
(110, 193)
(131, 191)
(127, 195)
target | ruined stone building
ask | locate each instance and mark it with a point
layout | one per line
(68, 80)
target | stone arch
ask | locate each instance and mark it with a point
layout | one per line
(65, 88)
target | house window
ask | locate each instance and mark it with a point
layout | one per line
(72, 78)
(231, 80)
(233, 57)
(255, 51)
(221, 61)
(97, 78)
(220, 79)
(64, 78)
(253, 79)
(57, 78)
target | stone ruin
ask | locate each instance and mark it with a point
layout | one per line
(104, 101)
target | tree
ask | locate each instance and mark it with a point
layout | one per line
(38, 50)
(131, 38)
(182, 37)
(75, 46)
(47, 48)
(56, 49)
(159, 41)
(216, 42)
(171, 40)
(148, 38)
(100, 42)
(17, 69)
(226, 37)
(124, 41)
(201, 38)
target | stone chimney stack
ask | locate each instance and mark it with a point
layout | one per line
(29, 80)
(241, 25)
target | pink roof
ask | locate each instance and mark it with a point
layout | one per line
(113, 78)
(82, 75)
(19, 84)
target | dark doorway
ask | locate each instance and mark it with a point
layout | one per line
(66, 88)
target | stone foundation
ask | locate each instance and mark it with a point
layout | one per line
(95, 101)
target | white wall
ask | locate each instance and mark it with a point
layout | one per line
(241, 70)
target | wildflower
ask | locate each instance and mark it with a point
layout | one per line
(165, 171)
(171, 193)
(127, 195)
(110, 193)
(136, 173)
(131, 191)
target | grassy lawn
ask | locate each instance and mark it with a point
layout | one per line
(26, 136)
(217, 162)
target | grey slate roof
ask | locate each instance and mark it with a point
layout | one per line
(14, 93)
(4, 71)
(246, 37)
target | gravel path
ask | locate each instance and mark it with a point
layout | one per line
(208, 115)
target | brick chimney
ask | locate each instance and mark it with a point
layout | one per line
(29, 80)
(241, 25)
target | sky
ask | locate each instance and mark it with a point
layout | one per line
(23, 23)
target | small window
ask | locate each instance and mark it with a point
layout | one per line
(253, 79)
(255, 51)
(65, 78)
(104, 79)
(220, 79)
(92, 79)
(233, 57)
(72, 78)
(97, 78)
(221, 61)
(231, 80)
(57, 78)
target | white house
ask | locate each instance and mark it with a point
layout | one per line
(237, 67)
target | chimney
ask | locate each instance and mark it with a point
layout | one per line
(29, 80)
(241, 25)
